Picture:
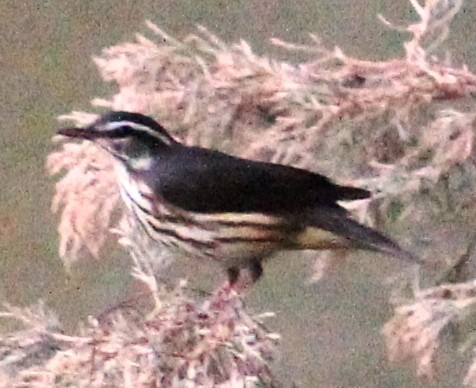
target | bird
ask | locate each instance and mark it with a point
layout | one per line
(215, 206)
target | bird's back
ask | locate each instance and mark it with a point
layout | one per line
(207, 181)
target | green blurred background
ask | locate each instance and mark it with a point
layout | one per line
(331, 330)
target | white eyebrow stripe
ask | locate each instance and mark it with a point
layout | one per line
(144, 128)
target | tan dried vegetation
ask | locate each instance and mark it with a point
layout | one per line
(392, 126)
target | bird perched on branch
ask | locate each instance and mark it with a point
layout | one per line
(215, 206)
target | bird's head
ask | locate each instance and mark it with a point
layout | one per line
(132, 138)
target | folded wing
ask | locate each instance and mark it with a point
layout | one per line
(207, 181)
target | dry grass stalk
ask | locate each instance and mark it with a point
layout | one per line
(414, 331)
(180, 343)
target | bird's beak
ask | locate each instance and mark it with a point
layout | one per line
(92, 133)
(87, 133)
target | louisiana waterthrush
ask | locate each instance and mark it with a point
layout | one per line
(216, 206)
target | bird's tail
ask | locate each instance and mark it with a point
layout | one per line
(332, 228)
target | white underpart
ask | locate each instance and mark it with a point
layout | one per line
(133, 190)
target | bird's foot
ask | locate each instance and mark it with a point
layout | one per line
(240, 279)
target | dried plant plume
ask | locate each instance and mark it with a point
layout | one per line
(178, 343)
(382, 121)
